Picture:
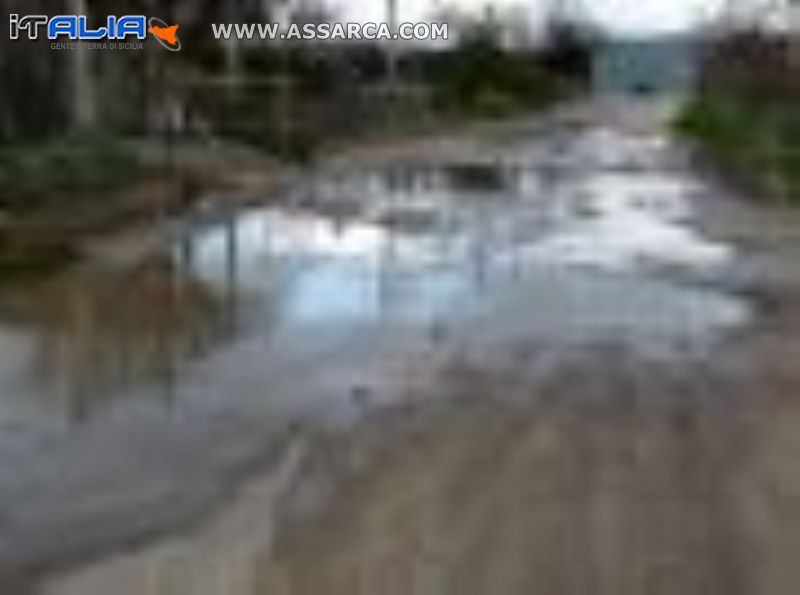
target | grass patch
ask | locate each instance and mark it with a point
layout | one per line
(45, 187)
(757, 140)
(37, 175)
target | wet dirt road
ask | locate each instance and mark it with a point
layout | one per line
(552, 358)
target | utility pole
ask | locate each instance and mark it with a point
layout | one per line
(391, 60)
(84, 100)
(285, 110)
(392, 21)
(233, 53)
(794, 34)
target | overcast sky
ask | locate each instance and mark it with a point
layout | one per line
(637, 17)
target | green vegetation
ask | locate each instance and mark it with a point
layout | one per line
(484, 81)
(479, 77)
(758, 140)
(747, 113)
(37, 175)
(285, 102)
(46, 189)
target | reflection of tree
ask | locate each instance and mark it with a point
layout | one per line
(100, 331)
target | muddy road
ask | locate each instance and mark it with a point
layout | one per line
(551, 357)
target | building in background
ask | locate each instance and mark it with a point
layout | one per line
(659, 65)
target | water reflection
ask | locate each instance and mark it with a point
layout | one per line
(176, 372)
(98, 331)
(554, 236)
(476, 177)
(324, 272)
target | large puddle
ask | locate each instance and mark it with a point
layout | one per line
(136, 390)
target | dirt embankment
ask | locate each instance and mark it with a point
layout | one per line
(49, 208)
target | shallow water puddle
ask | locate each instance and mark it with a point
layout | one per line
(117, 378)
(620, 222)
(411, 245)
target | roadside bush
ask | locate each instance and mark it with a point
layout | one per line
(747, 112)
(757, 141)
(32, 175)
(480, 77)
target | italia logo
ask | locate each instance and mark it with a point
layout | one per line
(76, 28)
